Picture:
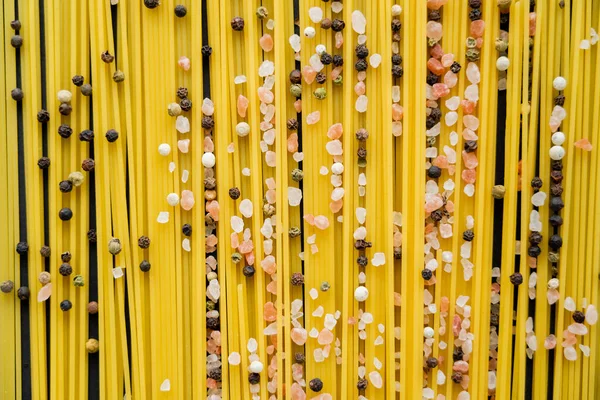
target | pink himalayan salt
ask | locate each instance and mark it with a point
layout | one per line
(470, 160)
(266, 42)
(235, 240)
(250, 258)
(183, 145)
(360, 88)
(335, 131)
(471, 122)
(440, 161)
(211, 383)
(321, 222)
(469, 175)
(292, 143)
(583, 144)
(45, 292)
(265, 95)
(336, 206)
(477, 28)
(246, 246)
(397, 239)
(309, 219)
(325, 337)
(468, 134)
(211, 240)
(468, 106)
(447, 60)
(298, 106)
(461, 366)
(187, 200)
(532, 23)
(554, 123)
(309, 74)
(435, 66)
(212, 347)
(440, 90)
(434, 203)
(464, 383)
(272, 287)
(552, 295)
(444, 304)
(209, 146)
(269, 312)
(242, 105)
(335, 73)
(299, 336)
(361, 76)
(271, 158)
(450, 79)
(478, 42)
(435, 4)
(265, 125)
(397, 112)
(434, 30)
(456, 325)
(450, 206)
(436, 51)
(451, 169)
(297, 391)
(339, 40)
(352, 320)
(268, 265)
(270, 351)
(271, 196)
(184, 63)
(313, 117)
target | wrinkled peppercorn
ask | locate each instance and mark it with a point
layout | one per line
(556, 165)
(16, 94)
(434, 15)
(362, 384)
(180, 10)
(434, 172)
(397, 71)
(253, 378)
(556, 189)
(112, 135)
(86, 135)
(338, 60)
(185, 104)
(186, 229)
(77, 80)
(556, 204)
(468, 235)
(66, 256)
(88, 164)
(213, 323)
(516, 279)
(65, 269)
(337, 25)
(455, 67)
(437, 215)
(474, 15)
(234, 193)
(295, 76)
(297, 175)
(43, 116)
(65, 109)
(107, 57)
(474, 3)
(361, 65)
(22, 248)
(535, 238)
(144, 242)
(23, 293)
(432, 78)
(556, 220)
(237, 24)
(65, 131)
(361, 152)
(326, 59)
(151, 3)
(86, 89)
(297, 279)
(182, 92)
(470, 146)
(91, 234)
(396, 25)
(457, 354)
(426, 274)
(248, 271)
(431, 362)
(361, 51)
(555, 242)
(578, 317)
(292, 124)
(559, 100)
(362, 134)
(15, 25)
(556, 176)
(45, 251)
(363, 261)
(208, 122)
(534, 251)
(321, 78)
(315, 385)
(294, 232)
(215, 374)
(206, 50)
(65, 186)
(362, 244)
(210, 183)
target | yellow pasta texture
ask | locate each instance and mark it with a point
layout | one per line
(300, 199)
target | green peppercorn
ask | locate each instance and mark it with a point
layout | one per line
(296, 90)
(180, 11)
(78, 281)
(338, 80)
(553, 257)
(119, 76)
(325, 286)
(294, 232)
(471, 42)
(320, 93)
(92, 346)
(114, 246)
(262, 12)
(297, 175)
(268, 210)
(473, 55)
(7, 286)
(210, 305)
(236, 257)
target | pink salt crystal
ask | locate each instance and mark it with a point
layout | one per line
(397, 239)
(265, 95)
(183, 145)
(583, 144)
(456, 325)
(299, 336)
(473, 74)
(250, 258)
(270, 351)
(336, 206)
(339, 40)
(246, 247)
(351, 320)
(469, 175)
(477, 28)
(272, 287)
(464, 383)
(45, 292)
(298, 106)
(211, 240)
(440, 161)
(447, 60)
(460, 366)
(552, 296)
(469, 135)
(360, 88)
(570, 353)
(271, 195)
(334, 147)
(468, 106)
(569, 340)
(451, 169)
(265, 125)
(440, 90)
(434, 30)
(187, 200)
(470, 160)
(434, 203)
(325, 337)
(269, 312)
(471, 122)
(397, 112)
(212, 207)
(209, 146)
(478, 42)
(335, 73)
(297, 391)
(271, 158)
(211, 383)
(450, 79)
(435, 66)
(235, 241)
(436, 51)
(435, 4)
(292, 143)
(444, 304)
(554, 123)
(361, 76)
(266, 42)
(310, 219)
(184, 63)
(242, 105)
(532, 23)
(211, 347)
(450, 206)
(309, 74)
(321, 222)
(550, 342)
(335, 131)
(313, 117)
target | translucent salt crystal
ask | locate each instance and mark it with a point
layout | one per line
(313, 118)
(461, 301)
(334, 148)
(585, 350)
(246, 208)
(591, 314)
(471, 122)
(271, 329)
(463, 395)
(172, 166)
(163, 217)
(165, 386)
(315, 14)
(434, 30)
(337, 194)
(361, 103)
(237, 224)
(427, 393)
(362, 179)
(252, 345)
(183, 145)
(298, 156)
(431, 152)
(376, 380)
(570, 353)
(538, 199)
(185, 175)
(295, 42)
(434, 131)
(186, 244)
(315, 62)
(570, 304)
(294, 196)
(184, 63)
(208, 107)
(473, 74)
(361, 214)
(469, 190)
(453, 138)
(182, 124)
(234, 358)
(359, 22)
(396, 128)
(578, 329)
(360, 233)
(270, 24)
(584, 44)
(313, 293)
(378, 259)
(452, 103)
(239, 79)
(465, 250)
(318, 312)
(472, 93)
(330, 322)
(213, 291)
(451, 118)
(532, 342)
(117, 272)
(266, 68)
(594, 36)
(375, 60)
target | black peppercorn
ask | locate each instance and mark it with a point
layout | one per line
(361, 152)
(534, 251)
(297, 279)
(434, 15)
(337, 25)
(234, 193)
(470, 146)
(321, 78)
(65, 269)
(185, 104)
(559, 100)
(326, 59)
(23, 293)
(77, 80)
(430, 122)
(432, 78)
(16, 41)
(65, 131)
(215, 374)
(361, 51)
(436, 114)
(65, 214)
(86, 89)
(237, 24)
(474, 3)
(45, 251)
(504, 17)
(86, 135)
(362, 134)
(474, 15)
(15, 25)
(180, 10)
(43, 162)
(468, 235)
(516, 279)
(455, 67)
(292, 124)
(208, 122)
(88, 164)
(434, 172)
(144, 242)
(555, 242)
(43, 116)
(396, 25)
(112, 135)
(107, 57)
(437, 215)
(556, 204)
(151, 3)
(7, 286)
(65, 186)
(65, 109)
(578, 317)
(457, 354)
(213, 323)
(535, 238)
(186, 229)
(65, 305)
(556, 176)
(431, 362)
(361, 65)
(66, 256)
(456, 377)
(253, 378)
(145, 266)
(299, 358)
(248, 271)
(16, 94)
(396, 59)
(91, 234)
(316, 385)
(494, 320)
(295, 76)
(182, 92)
(426, 274)
(206, 50)
(397, 71)
(326, 23)
(362, 244)
(22, 248)
(556, 220)
(338, 60)
(363, 261)
(362, 384)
